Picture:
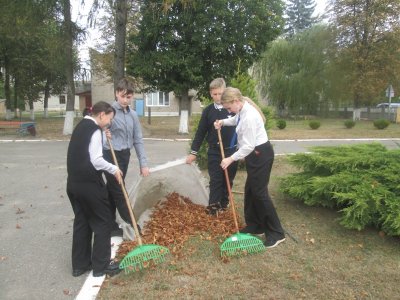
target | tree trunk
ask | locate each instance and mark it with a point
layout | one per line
(356, 114)
(184, 105)
(69, 115)
(16, 108)
(7, 90)
(31, 109)
(121, 12)
(46, 99)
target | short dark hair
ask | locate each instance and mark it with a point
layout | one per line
(102, 106)
(126, 86)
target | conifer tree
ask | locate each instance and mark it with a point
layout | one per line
(299, 16)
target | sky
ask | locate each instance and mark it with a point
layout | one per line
(321, 5)
(79, 15)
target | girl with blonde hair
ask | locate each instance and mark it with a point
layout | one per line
(254, 147)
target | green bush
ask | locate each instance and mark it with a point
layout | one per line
(361, 181)
(349, 124)
(269, 114)
(314, 124)
(281, 124)
(381, 123)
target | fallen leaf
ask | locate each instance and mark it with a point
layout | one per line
(66, 292)
(19, 211)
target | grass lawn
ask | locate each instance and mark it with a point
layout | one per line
(327, 262)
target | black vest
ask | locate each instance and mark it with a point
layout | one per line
(79, 167)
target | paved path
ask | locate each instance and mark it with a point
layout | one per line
(36, 216)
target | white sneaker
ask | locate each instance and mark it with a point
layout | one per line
(269, 243)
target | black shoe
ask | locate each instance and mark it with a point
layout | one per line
(213, 209)
(253, 229)
(79, 272)
(271, 243)
(111, 270)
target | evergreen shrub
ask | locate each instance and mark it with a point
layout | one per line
(281, 124)
(381, 123)
(349, 124)
(361, 181)
(314, 124)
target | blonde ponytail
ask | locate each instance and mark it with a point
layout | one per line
(231, 94)
(252, 103)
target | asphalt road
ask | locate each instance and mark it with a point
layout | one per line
(36, 216)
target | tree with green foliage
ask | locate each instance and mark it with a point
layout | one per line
(291, 73)
(118, 25)
(29, 32)
(183, 46)
(118, 20)
(367, 35)
(299, 16)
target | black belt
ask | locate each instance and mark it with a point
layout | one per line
(122, 150)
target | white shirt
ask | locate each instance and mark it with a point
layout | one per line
(96, 152)
(250, 130)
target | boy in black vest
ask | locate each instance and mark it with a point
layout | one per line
(218, 198)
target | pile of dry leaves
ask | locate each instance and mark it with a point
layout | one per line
(176, 219)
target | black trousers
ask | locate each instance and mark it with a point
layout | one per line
(91, 207)
(259, 210)
(116, 196)
(218, 188)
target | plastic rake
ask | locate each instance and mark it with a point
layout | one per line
(141, 256)
(237, 244)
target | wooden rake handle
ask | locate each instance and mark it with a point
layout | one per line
(228, 184)
(128, 203)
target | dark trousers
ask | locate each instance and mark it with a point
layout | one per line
(92, 215)
(259, 210)
(218, 187)
(116, 196)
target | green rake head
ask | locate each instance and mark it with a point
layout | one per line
(241, 244)
(142, 257)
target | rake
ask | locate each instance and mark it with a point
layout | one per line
(239, 243)
(143, 255)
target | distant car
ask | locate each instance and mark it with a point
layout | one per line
(386, 105)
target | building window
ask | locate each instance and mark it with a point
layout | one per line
(62, 99)
(157, 99)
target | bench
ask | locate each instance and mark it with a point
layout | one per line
(21, 128)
